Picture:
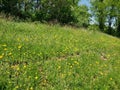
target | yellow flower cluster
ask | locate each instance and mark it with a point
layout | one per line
(1, 56)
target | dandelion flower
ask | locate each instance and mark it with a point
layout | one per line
(1, 56)
(5, 49)
(101, 73)
(18, 68)
(110, 78)
(19, 47)
(4, 45)
(10, 54)
(18, 39)
(17, 87)
(24, 66)
(36, 77)
(31, 88)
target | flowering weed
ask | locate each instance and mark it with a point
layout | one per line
(38, 56)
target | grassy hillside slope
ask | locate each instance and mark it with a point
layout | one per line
(41, 57)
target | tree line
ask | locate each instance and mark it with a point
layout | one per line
(106, 13)
(62, 11)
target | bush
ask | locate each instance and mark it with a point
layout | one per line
(93, 27)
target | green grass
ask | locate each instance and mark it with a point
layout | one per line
(40, 57)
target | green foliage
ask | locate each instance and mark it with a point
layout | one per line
(93, 28)
(107, 12)
(82, 15)
(99, 12)
(38, 56)
(61, 11)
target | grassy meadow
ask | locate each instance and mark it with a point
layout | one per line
(36, 56)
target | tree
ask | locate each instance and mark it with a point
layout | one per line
(107, 13)
(62, 11)
(118, 17)
(9, 6)
(59, 10)
(99, 12)
(82, 15)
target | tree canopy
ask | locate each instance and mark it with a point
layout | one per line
(107, 14)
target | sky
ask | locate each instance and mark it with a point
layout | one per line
(85, 2)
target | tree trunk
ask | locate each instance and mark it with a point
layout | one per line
(101, 23)
(109, 25)
(118, 28)
(101, 18)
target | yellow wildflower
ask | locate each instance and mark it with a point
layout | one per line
(44, 81)
(18, 39)
(108, 55)
(59, 67)
(1, 56)
(105, 65)
(4, 45)
(24, 66)
(31, 88)
(110, 78)
(101, 73)
(97, 62)
(76, 62)
(17, 87)
(10, 54)
(36, 77)
(19, 47)
(5, 49)
(26, 39)
(62, 75)
(71, 66)
(18, 68)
